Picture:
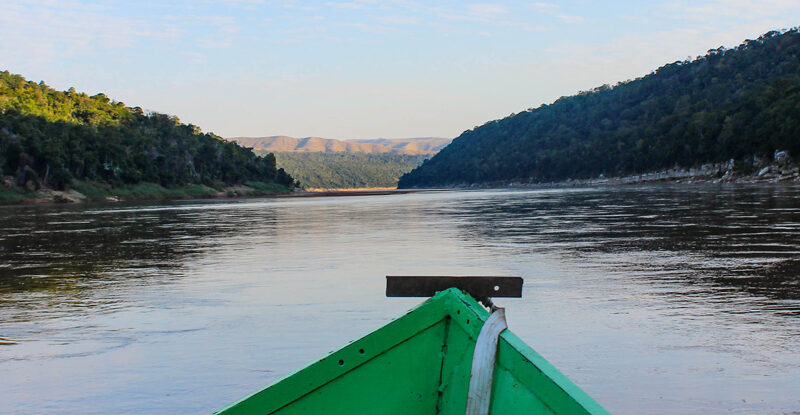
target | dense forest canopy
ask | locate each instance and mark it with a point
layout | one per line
(50, 138)
(735, 103)
(347, 170)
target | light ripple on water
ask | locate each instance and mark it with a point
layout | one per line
(671, 285)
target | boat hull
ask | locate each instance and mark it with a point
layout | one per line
(420, 364)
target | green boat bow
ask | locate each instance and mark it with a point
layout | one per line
(420, 364)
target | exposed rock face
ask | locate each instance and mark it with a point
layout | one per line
(57, 196)
(781, 156)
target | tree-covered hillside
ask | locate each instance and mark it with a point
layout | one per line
(50, 138)
(731, 103)
(347, 170)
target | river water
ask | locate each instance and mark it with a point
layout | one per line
(653, 299)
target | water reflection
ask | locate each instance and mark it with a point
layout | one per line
(743, 237)
(690, 291)
(54, 257)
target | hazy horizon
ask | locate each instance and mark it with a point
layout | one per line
(340, 139)
(361, 69)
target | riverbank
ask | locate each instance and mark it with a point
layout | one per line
(81, 192)
(375, 191)
(728, 172)
(348, 189)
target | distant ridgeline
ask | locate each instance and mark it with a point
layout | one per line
(345, 164)
(51, 138)
(284, 144)
(347, 170)
(736, 103)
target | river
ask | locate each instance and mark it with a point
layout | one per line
(666, 299)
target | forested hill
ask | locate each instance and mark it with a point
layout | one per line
(51, 138)
(322, 163)
(339, 170)
(729, 104)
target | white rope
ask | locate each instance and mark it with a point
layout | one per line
(480, 383)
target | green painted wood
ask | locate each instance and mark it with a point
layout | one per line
(294, 387)
(420, 364)
(456, 370)
(530, 370)
(408, 371)
(513, 397)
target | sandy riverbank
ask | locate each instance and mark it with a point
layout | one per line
(377, 191)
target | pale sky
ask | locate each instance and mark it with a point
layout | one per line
(361, 68)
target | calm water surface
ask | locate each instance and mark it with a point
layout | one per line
(671, 300)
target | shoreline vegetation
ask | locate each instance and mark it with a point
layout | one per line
(729, 116)
(731, 172)
(67, 146)
(94, 191)
(342, 170)
(739, 103)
